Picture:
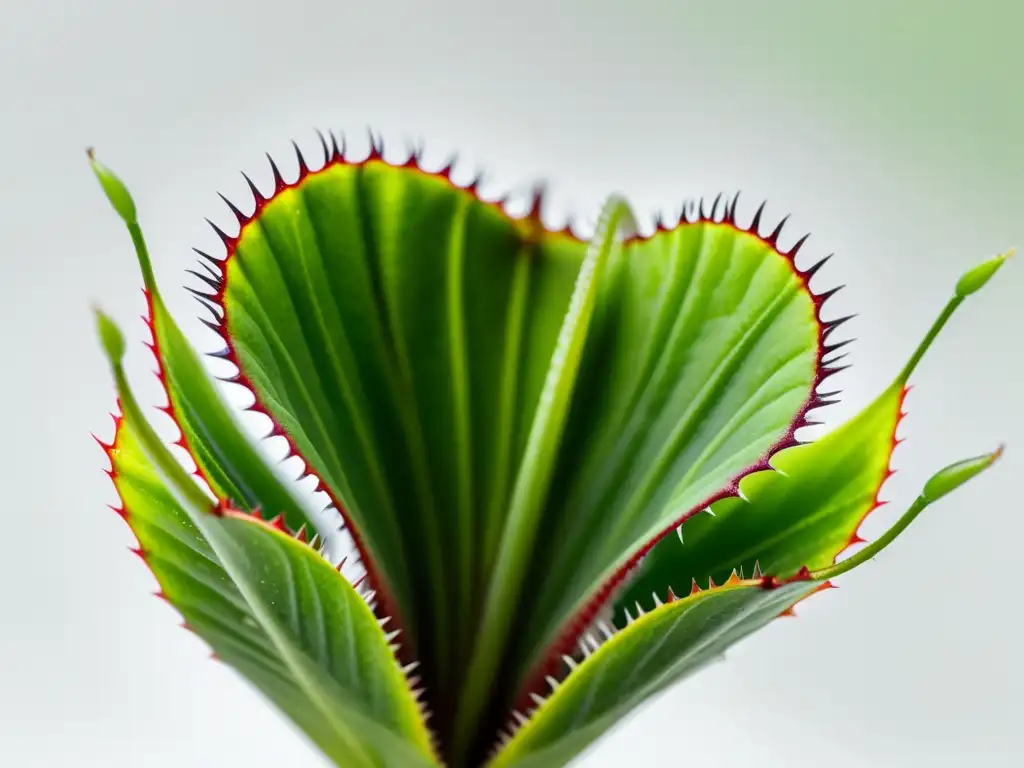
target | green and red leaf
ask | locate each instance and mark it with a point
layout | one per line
(805, 511)
(512, 422)
(624, 668)
(270, 606)
(619, 668)
(399, 330)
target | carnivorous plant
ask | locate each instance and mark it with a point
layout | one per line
(567, 467)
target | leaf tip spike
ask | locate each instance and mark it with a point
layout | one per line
(537, 196)
(122, 202)
(975, 278)
(943, 482)
(115, 190)
(110, 336)
(970, 282)
(952, 477)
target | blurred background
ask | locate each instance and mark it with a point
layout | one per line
(892, 130)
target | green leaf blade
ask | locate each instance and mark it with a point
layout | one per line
(224, 457)
(223, 454)
(508, 422)
(658, 648)
(534, 475)
(808, 508)
(655, 651)
(670, 392)
(804, 511)
(702, 363)
(305, 616)
(431, 346)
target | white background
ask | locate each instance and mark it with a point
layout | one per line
(893, 130)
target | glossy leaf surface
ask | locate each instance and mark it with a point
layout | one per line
(277, 611)
(803, 513)
(655, 651)
(677, 637)
(509, 419)
(224, 457)
(702, 363)
(401, 330)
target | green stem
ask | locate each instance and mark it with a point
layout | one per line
(969, 283)
(121, 200)
(875, 547)
(142, 253)
(933, 332)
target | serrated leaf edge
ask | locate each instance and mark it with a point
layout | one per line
(276, 524)
(692, 214)
(593, 641)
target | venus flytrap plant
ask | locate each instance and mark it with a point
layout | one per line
(569, 468)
